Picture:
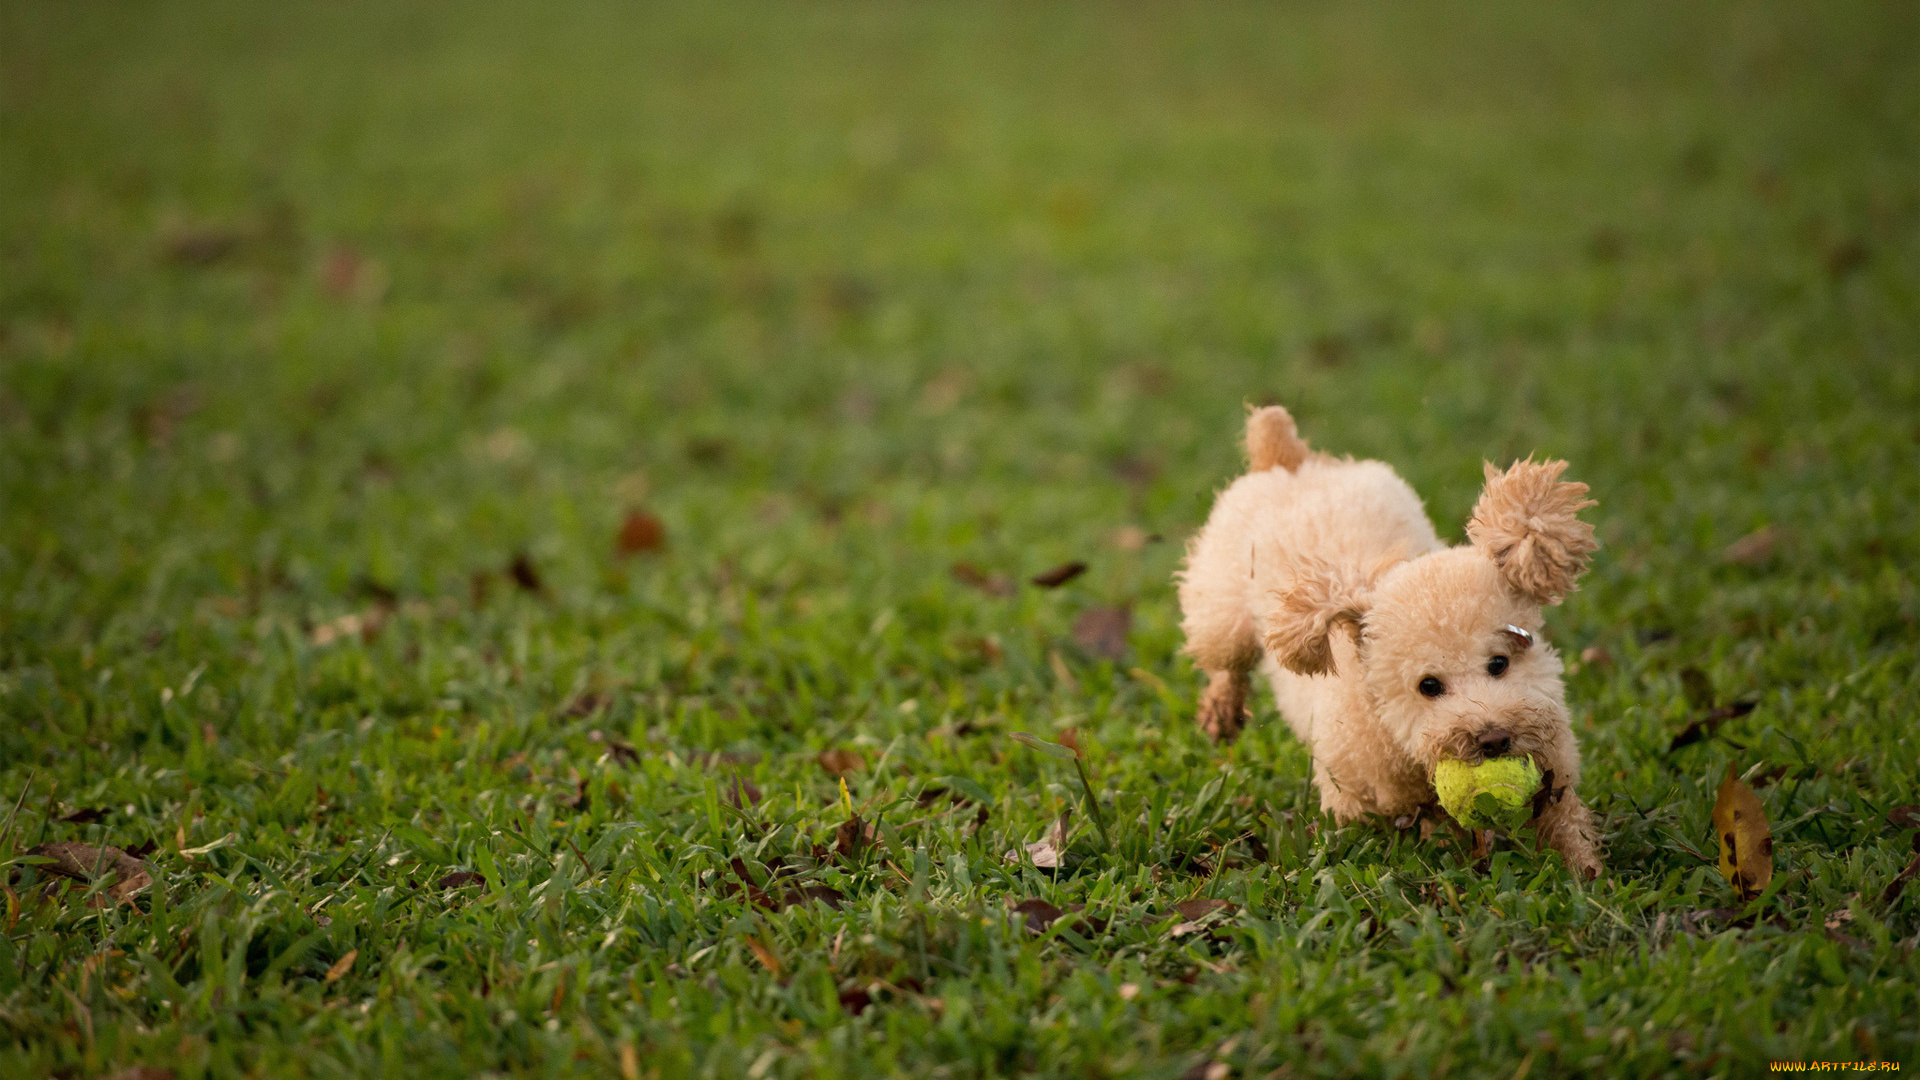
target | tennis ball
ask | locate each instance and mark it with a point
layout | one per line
(1497, 794)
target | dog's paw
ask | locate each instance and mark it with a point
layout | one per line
(1223, 707)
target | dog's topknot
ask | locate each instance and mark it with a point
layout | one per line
(1272, 439)
(1526, 522)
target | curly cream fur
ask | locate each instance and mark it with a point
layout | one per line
(1525, 520)
(1327, 575)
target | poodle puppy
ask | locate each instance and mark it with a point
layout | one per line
(1388, 651)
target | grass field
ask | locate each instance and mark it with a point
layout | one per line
(338, 342)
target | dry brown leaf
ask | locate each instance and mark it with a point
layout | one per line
(855, 1000)
(1899, 883)
(764, 955)
(1703, 727)
(641, 532)
(1103, 631)
(1754, 548)
(1904, 817)
(840, 762)
(742, 792)
(1201, 907)
(586, 705)
(853, 837)
(1060, 575)
(460, 879)
(972, 576)
(1746, 843)
(1047, 852)
(81, 862)
(342, 966)
(525, 574)
(1037, 914)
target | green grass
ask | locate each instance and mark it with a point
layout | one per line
(309, 308)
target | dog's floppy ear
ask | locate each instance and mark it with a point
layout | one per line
(1307, 610)
(1525, 522)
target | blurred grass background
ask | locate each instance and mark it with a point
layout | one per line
(307, 308)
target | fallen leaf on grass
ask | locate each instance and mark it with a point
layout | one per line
(86, 816)
(1060, 575)
(1746, 843)
(1038, 914)
(853, 837)
(742, 792)
(1103, 631)
(525, 574)
(840, 762)
(855, 1000)
(1193, 914)
(1754, 548)
(764, 955)
(641, 532)
(992, 584)
(1899, 883)
(81, 862)
(755, 894)
(1201, 907)
(342, 966)
(1703, 727)
(586, 704)
(1047, 852)
(460, 879)
(1904, 817)
(800, 894)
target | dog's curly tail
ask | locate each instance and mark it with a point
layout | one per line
(1272, 439)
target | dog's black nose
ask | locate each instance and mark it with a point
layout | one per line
(1495, 742)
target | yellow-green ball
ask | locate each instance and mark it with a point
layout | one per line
(1497, 794)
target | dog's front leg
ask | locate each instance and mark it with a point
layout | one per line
(1567, 826)
(1223, 705)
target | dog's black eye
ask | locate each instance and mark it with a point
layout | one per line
(1432, 687)
(1497, 666)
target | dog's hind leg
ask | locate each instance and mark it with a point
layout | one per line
(1222, 642)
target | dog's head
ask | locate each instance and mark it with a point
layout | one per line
(1449, 643)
